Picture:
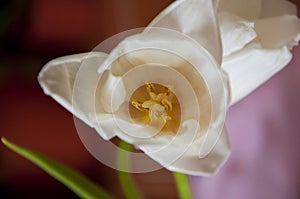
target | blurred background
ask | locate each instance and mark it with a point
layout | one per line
(34, 32)
(31, 34)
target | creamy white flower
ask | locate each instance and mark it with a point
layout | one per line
(163, 90)
(257, 37)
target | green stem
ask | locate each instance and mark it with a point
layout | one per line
(75, 181)
(125, 178)
(183, 185)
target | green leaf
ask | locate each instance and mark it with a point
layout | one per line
(183, 185)
(78, 183)
(129, 188)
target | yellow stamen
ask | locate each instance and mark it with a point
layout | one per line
(137, 105)
(167, 104)
(154, 102)
(149, 86)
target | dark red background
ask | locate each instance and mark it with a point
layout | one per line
(32, 33)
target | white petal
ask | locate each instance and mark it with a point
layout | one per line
(57, 76)
(181, 153)
(162, 59)
(71, 81)
(155, 46)
(195, 18)
(251, 67)
(248, 9)
(135, 78)
(273, 8)
(190, 163)
(278, 31)
(107, 83)
(236, 32)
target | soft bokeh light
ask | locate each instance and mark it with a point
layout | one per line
(264, 127)
(32, 33)
(264, 133)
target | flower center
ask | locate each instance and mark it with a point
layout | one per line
(154, 103)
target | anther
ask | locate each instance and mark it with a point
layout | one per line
(137, 105)
(149, 87)
(167, 104)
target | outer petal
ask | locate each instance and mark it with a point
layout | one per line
(236, 32)
(195, 18)
(248, 9)
(192, 164)
(274, 8)
(278, 31)
(59, 79)
(251, 67)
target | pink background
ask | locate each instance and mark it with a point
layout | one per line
(264, 128)
(264, 131)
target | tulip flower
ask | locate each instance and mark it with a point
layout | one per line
(166, 89)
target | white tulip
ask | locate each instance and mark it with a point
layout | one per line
(257, 37)
(166, 90)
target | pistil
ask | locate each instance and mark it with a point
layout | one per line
(154, 103)
(158, 104)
